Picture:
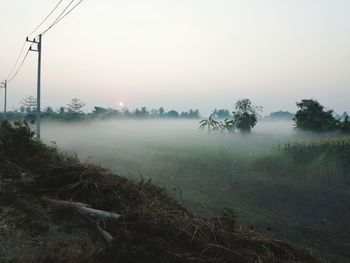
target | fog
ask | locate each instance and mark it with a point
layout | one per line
(136, 146)
(209, 172)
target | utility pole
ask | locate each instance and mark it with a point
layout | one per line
(5, 102)
(38, 91)
(3, 85)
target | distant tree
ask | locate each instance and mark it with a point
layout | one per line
(143, 113)
(221, 113)
(312, 116)
(49, 109)
(286, 115)
(246, 115)
(173, 114)
(345, 123)
(154, 113)
(61, 110)
(48, 112)
(99, 111)
(113, 112)
(126, 112)
(191, 114)
(345, 115)
(76, 106)
(161, 112)
(184, 115)
(22, 109)
(29, 103)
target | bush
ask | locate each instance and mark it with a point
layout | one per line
(17, 145)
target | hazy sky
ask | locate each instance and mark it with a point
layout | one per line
(183, 54)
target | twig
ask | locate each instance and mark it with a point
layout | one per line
(106, 236)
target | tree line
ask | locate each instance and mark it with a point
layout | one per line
(74, 111)
(311, 116)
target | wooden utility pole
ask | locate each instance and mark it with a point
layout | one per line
(38, 91)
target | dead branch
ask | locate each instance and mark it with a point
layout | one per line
(85, 209)
(66, 203)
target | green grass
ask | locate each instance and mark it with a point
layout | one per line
(299, 190)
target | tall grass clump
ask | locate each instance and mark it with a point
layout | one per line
(307, 151)
(325, 161)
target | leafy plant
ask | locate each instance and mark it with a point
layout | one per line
(246, 115)
(210, 124)
(244, 118)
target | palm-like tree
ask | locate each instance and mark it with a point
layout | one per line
(210, 124)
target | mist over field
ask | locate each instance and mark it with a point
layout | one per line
(135, 146)
(175, 131)
(266, 179)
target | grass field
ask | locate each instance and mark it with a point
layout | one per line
(294, 186)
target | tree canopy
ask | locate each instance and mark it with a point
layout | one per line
(312, 116)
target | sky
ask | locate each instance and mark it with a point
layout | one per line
(182, 54)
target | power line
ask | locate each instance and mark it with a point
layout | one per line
(20, 66)
(62, 15)
(24, 43)
(53, 10)
(19, 56)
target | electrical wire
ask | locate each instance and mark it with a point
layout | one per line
(53, 10)
(62, 15)
(24, 43)
(19, 56)
(20, 66)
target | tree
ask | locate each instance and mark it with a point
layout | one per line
(29, 103)
(22, 109)
(99, 111)
(49, 109)
(154, 113)
(191, 114)
(244, 118)
(312, 116)
(246, 115)
(143, 113)
(221, 113)
(173, 114)
(345, 124)
(61, 110)
(161, 112)
(76, 106)
(283, 115)
(126, 112)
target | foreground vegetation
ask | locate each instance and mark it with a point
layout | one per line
(291, 185)
(153, 227)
